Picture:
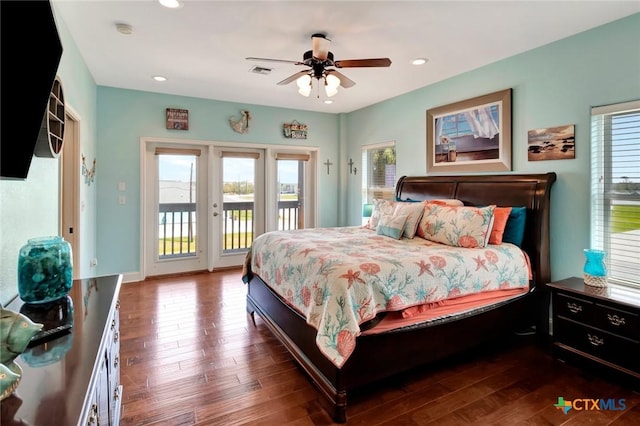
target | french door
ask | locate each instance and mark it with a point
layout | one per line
(203, 204)
(238, 203)
(175, 218)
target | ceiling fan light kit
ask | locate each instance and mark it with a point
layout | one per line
(304, 84)
(320, 60)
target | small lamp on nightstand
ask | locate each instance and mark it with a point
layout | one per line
(367, 211)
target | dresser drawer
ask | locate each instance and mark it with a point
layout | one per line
(599, 343)
(618, 321)
(574, 308)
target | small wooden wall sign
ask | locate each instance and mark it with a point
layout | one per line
(177, 119)
(295, 130)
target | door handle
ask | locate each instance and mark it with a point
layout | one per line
(215, 214)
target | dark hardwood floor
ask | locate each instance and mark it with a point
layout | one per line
(191, 356)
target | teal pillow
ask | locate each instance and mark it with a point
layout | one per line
(514, 230)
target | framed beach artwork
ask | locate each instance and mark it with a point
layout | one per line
(552, 143)
(473, 135)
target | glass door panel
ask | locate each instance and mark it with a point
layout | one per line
(291, 194)
(177, 202)
(238, 204)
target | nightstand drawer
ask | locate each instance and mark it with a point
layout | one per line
(573, 308)
(599, 343)
(618, 321)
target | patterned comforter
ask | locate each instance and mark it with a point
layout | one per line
(339, 278)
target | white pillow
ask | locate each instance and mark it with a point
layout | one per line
(414, 212)
(380, 207)
(391, 225)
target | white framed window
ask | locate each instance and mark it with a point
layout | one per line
(615, 189)
(379, 171)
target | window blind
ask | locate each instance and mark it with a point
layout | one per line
(240, 154)
(177, 151)
(615, 189)
(378, 171)
(288, 156)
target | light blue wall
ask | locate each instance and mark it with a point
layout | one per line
(553, 85)
(127, 115)
(30, 208)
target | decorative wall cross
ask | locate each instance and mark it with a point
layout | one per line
(328, 164)
(352, 170)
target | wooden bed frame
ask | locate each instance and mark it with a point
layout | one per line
(381, 355)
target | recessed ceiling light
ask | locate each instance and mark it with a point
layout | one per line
(328, 101)
(159, 78)
(171, 4)
(124, 28)
(419, 61)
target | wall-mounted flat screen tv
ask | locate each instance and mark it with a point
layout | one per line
(30, 53)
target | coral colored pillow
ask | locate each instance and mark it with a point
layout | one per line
(446, 202)
(456, 226)
(441, 201)
(500, 217)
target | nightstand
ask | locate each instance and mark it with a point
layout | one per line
(598, 325)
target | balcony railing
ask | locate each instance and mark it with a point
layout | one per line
(177, 234)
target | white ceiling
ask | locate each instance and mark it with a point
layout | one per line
(201, 47)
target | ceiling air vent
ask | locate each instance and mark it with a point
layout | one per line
(260, 70)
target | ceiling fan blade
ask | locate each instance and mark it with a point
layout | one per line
(275, 60)
(320, 46)
(293, 77)
(345, 81)
(352, 63)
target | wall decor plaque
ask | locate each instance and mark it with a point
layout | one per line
(177, 119)
(295, 130)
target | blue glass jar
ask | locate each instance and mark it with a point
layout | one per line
(45, 269)
(595, 270)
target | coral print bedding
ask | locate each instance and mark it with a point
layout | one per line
(339, 278)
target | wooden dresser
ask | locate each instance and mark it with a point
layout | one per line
(74, 378)
(598, 325)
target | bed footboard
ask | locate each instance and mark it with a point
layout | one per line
(380, 356)
(299, 339)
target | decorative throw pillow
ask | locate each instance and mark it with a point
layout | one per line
(446, 202)
(414, 212)
(456, 226)
(380, 207)
(441, 201)
(391, 225)
(500, 217)
(514, 229)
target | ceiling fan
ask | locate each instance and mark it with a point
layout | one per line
(320, 62)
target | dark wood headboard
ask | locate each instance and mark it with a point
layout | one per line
(509, 190)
